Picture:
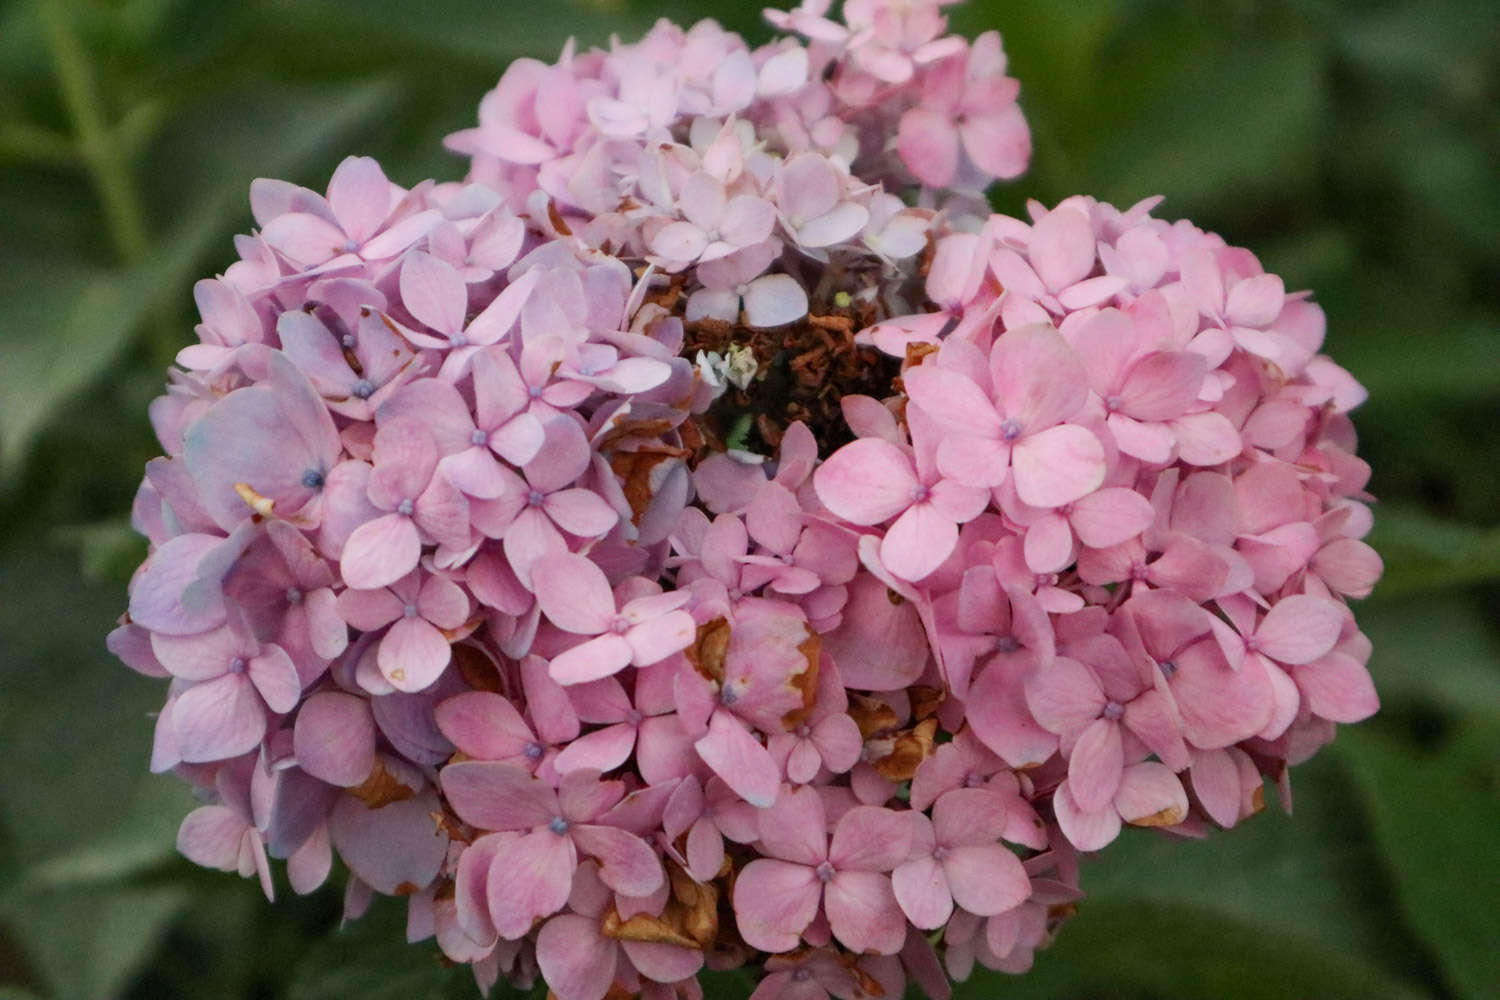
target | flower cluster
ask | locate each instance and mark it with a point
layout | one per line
(708, 536)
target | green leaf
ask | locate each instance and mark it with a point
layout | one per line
(1440, 652)
(1435, 821)
(1424, 552)
(368, 960)
(89, 944)
(1305, 875)
(1122, 948)
(68, 321)
(1193, 142)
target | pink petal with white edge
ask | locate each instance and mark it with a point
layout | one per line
(1087, 831)
(1337, 687)
(866, 481)
(1255, 301)
(413, 654)
(736, 756)
(918, 542)
(774, 901)
(1216, 782)
(1049, 544)
(470, 882)
(498, 796)
(863, 913)
(210, 836)
(986, 878)
(794, 827)
(868, 838)
(483, 725)
(1206, 438)
(433, 292)
(952, 399)
(1110, 516)
(654, 640)
(999, 144)
(577, 962)
(380, 552)
(218, 719)
(1095, 765)
(921, 890)
(628, 865)
(928, 144)
(275, 677)
(1037, 376)
(774, 300)
(1057, 465)
(334, 739)
(1299, 629)
(532, 881)
(1151, 795)
(573, 593)
(602, 750)
(594, 660)
(664, 963)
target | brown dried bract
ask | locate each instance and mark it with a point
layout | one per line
(805, 681)
(478, 668)
(381, 788)
(924, 700)
(634, 471)
(706, 654)
(872, 716)
(689, 919)
(912, 746)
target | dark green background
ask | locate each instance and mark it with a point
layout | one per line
(1354, 146)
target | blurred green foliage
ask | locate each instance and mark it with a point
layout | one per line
(1354, 145)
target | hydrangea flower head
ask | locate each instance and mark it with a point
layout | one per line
(707, 535)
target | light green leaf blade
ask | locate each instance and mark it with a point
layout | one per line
(1435, 821)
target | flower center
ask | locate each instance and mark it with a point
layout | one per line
(363, 389)
(293, 595)
(1168, 668)
(920, 492)
(479, 437)
(939, 853)
(536, 498)
(237, 665)
(313, 479)
(1007, 644)
(633, 717)
(405, 508)
(1010, 429)
(825, 871)
(533, 751)
(558, 825)
(410, 611)
(1113, 710)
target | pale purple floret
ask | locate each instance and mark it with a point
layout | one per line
(424, 611)
(956, 858)
(576, 597)
(713, 435)
(542, 831)
(1017, 424)
(228, 682)
(802, 872)
(359, 219)
(263, 449)
(421, 506)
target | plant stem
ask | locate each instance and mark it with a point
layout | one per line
(122, 209)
